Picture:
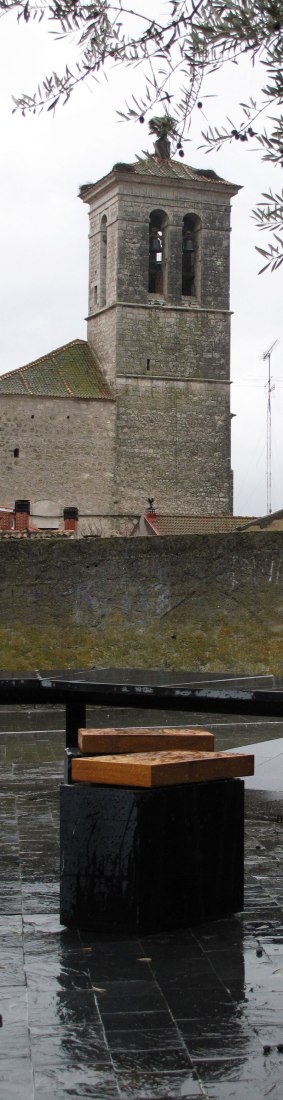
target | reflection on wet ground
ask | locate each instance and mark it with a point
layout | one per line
(195, 1013)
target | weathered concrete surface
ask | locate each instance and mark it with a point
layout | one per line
(204, 602)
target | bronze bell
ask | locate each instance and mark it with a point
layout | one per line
(188, 245)
(155, 243)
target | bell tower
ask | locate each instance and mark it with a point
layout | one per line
(159, 324)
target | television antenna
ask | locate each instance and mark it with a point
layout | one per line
(267, 357)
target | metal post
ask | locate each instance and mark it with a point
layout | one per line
(75, 719)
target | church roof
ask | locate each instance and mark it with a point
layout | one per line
(196, 525)
(69, 371)
(162, 167)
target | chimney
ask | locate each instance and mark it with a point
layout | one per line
(150, 511)
(6, 519)
(70, 516)
(22, 514)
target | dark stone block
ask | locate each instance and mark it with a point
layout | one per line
(137, 860)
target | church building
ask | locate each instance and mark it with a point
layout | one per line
(141, 410)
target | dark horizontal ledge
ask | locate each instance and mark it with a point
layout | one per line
(110, 687)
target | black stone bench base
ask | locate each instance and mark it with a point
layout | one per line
(141, 861)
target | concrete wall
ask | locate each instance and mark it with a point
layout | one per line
(204, 602)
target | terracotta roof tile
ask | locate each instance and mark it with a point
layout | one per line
(69, 371)
(151, 165)
(176, 169)
(196, 525)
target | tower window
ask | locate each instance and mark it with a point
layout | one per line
(16, 452)
(157, 267)
(103, 260)
(190, 255)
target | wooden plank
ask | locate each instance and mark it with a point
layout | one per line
(157, 769)
(143, 739)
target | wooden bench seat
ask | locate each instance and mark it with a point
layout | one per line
(157, 769)
(143, 739)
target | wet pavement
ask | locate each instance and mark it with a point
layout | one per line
(195, 1013)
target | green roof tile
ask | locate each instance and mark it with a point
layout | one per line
(70, 371)
(13, 383)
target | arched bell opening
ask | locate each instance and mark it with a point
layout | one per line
(190, 255)
(157, 266)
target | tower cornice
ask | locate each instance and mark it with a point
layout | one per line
(150, 171)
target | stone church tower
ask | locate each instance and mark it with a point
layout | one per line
(141, 409)
(159, 327)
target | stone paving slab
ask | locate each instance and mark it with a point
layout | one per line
(194, 1013)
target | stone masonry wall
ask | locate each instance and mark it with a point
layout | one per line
(102, 319)
(180, 343)
(176, 199)
(173, 444)
(128, 206)
(204, 602)
(170, 443)
(103, 340)
(106, 208)
(66, 451)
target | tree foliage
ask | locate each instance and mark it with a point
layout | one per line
(176, 48)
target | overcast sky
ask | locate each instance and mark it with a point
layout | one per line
(44, 233)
